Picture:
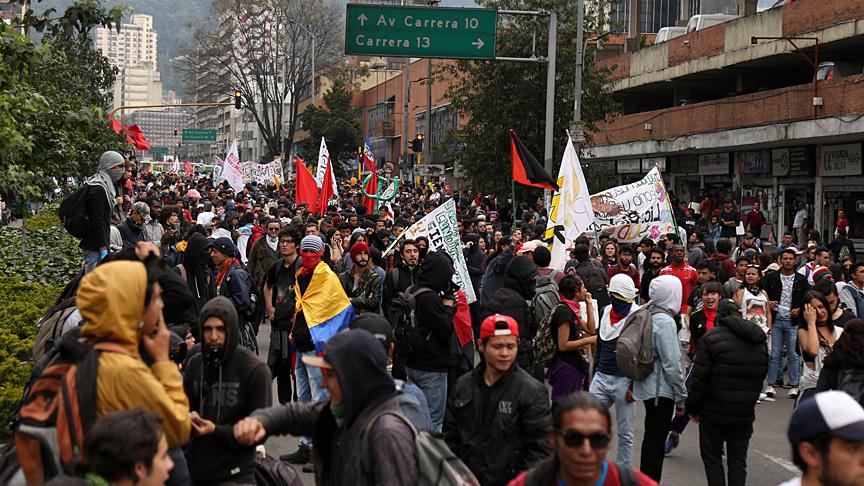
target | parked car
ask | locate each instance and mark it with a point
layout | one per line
(829, 70)
(699, 22)
(667, 33)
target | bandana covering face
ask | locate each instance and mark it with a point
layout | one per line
(310, 261)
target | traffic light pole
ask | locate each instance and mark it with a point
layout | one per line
(166, 105)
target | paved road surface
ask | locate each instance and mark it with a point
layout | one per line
(769, 459)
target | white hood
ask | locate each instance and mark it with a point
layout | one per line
(665, 292)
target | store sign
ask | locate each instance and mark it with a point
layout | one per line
(780, 162)
(649, 163)
(714, 164)
(630, 166)
(841, 160)
(754, 161)
(687, 164)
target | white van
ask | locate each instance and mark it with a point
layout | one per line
(699, 22)
(667, 33)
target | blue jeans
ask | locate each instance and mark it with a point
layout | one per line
(612, 390)
(91, 259)
(308, 384)
(782, 331)
(434, 386)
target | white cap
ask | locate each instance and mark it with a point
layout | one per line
(622, 285)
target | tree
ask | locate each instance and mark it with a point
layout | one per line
(498, 95)
(54, 97)
(337, 122)
(262, 48)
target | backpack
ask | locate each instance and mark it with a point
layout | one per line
(851, 381)
(596, 281)
(58, 409)
(437, 465)
(403, 315)
(844, 252)
(273, 472)
(74, 212)
(416, 412)
(543, 343)
(635, 348)
(546, 297)
(50, 326)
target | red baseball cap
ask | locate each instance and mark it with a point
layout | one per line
(498, 325)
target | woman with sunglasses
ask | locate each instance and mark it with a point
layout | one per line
(580, 437)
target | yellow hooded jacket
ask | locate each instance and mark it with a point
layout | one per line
(111, 300)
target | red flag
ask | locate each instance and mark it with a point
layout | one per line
(462, 319)
(326, 190)
(133, 134)
(307, 190)
(188, 168)
(371, 188)
(526, 169)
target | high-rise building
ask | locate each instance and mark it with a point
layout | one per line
(655, 15)
(159, 127)
(133, 51)
(134, 45)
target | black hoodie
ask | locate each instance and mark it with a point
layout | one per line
(730, 366)
(520, 282)
(196, 264)
(430, 348)
(224, 388)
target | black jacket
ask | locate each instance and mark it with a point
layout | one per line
(131, 232)
(727, 375)
(429, 349)
(100, 220)
(498, 439)
(512, 300)
(398, 280)
(774, 287)
(196, 267)
(224, 392)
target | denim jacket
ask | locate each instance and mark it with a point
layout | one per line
(667, 362)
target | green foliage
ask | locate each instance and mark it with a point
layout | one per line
(46, 219)
(53, 99)
(337, 122)
(498, 95)
(41, 252)
(20, 309)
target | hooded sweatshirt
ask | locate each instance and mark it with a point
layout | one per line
(512, 299)
(100, 201)
(224, 386)
(433, 318)
(111, 301)
(196, 265)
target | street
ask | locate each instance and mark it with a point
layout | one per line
(769, 460)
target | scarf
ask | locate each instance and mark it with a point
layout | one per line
(224, 270)
(574, 306)
(608, 329)
(710, 317)
(272, 242)
(309, 262)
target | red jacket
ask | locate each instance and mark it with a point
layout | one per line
(613, 478)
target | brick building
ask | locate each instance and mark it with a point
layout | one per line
(743, 118)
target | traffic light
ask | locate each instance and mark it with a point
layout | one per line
(238, 100)
(175, 132)
(417, 143)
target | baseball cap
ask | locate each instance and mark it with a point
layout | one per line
(498, 325)
(143, 209)
(830, 412)
(318, 361)
(375, 325)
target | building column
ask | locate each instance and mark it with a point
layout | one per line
(818, 194)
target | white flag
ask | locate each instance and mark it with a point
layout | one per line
(323, 158)
(232, 170)
(175, 167)
(570, 212)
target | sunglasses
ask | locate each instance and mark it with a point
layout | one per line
(576, 439)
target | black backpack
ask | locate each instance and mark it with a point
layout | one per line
(75, 212)
(596, 281)
(851, 381)
(403, 316)
(273, 472)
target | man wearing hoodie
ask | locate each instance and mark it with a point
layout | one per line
(195, 269)
(100, 204)
(512, 298)
(609, 385)
(360, 435)
(121, 303)
(498, 403)
(726, 380)
(224, 383)
(662, 392)
(429, 354)
(232, 281)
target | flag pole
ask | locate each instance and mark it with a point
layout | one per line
(359, 161)
(513, 204)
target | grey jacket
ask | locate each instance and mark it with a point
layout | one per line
(338, 452)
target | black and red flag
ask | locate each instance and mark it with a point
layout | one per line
(526, 169)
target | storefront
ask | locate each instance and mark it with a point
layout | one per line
(794, 168)
(685, 179)
(758, 184)
(717, 181)
(843, 186)
(629, 170)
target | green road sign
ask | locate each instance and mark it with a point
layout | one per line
(158, 150)
(384, 30)
(195, 135)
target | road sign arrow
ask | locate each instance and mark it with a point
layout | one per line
(479, 43)
(362, 18)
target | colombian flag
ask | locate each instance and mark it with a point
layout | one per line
(325, 306)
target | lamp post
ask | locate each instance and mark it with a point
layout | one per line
(814, 63)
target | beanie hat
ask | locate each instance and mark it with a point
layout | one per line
(312, 243)
(358, 248)
(225, 246)
(820, 273)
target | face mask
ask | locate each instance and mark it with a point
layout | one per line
(116, 173)
(310, 261)
(213, 356)
(338, 412)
